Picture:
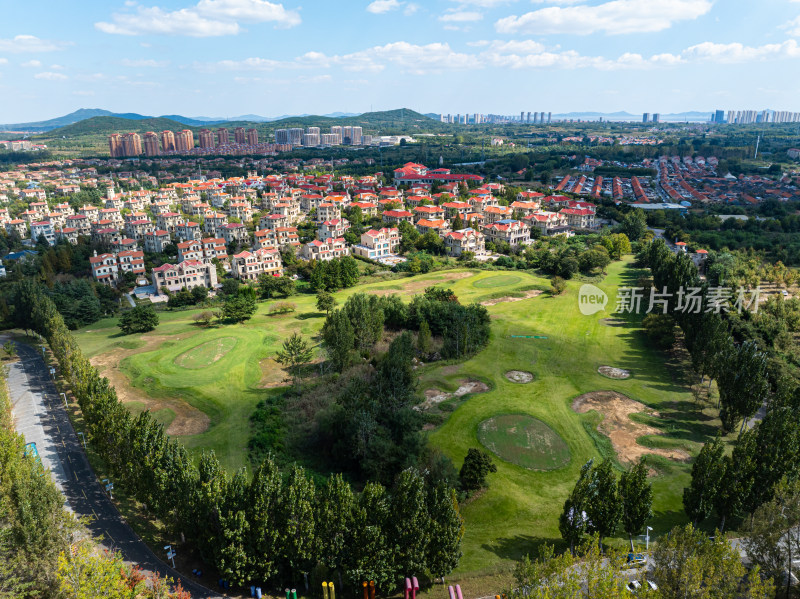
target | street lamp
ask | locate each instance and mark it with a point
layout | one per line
(84, 439)
(170, 554)
(64, 395)
(647, 538)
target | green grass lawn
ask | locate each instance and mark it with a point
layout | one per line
(524, 441)
(224, 371)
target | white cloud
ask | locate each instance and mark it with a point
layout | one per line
(32, 64)
(50, 76)
(614, 17)
(793, 26)
(736, 52)
(3, 60)
(378, 7)
(486, 3)
(410, 9)
(141, 62)
(56, 67)
(29, 43)
(208, 18)
(83, 92)
(461, 16)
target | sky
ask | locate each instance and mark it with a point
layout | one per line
(224, 58)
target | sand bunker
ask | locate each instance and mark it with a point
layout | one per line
(499, 300)
(188, 419)
(614, 373)
(519, 376)
(616, 410)
(415, 286)
(435, 396)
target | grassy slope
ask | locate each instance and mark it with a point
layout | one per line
(521, 507)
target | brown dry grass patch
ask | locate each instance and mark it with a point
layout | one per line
(617, 424)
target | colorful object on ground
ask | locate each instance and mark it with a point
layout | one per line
(451, 592)
(407, 589)
(458, 592)
(528, 337)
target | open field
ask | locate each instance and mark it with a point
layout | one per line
(211, 379)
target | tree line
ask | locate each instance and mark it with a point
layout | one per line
(728, 348)
(271, 527)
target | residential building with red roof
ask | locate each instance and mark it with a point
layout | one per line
(248, 266)
(465, 240)
(104, 268)
(184, 275)
(579, 218)
(234, 233)
(325, 250)
(155, 241)
(336, 227)
(438, 226)
(513, 232)
(131, 261)
(378, 243)
(395, 217)
(428, 213)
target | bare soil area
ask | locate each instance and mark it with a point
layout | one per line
(188, 419)
(499, 300)
(519, 376)
(616, 410)
(435, 396)
(614, 373)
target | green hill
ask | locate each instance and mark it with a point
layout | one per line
(106, 125)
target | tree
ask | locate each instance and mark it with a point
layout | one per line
(604, 506)
(264, 533)
(339, 337)
(10, 349)
(687, 563)
(446, 532)
(140, 319)
(573, 521)
(199, 294)
(204, 318)
(743, 384)
(409, 524)
(334, 522)
(617, 245)
(660, 329)
(366, 318)
(772, 539)
(636, 493)
(477, 465)
(424, 338)
(325, 302)
(297, 542)
(294, 354)
(240, 307)
(634, 224)
(707, 470)
(558, 285)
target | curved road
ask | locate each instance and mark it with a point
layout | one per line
(41, 417)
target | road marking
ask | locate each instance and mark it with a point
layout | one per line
(95, 515)
(76, 475)
(84, 494)
(110, 537)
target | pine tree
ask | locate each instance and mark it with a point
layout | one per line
(573, 521)
(339, 339)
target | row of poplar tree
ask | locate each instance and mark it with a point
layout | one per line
(725, 347)
(273, 526)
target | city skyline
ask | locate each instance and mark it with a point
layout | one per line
(197, 58)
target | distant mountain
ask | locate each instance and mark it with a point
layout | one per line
(73, 117)
(198, 121)
(402, 119)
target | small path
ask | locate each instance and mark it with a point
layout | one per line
(39, 411)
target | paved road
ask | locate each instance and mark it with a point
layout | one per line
(40, 415)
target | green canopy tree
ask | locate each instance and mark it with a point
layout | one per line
(636, 494)
(604, 507)
(446, 531)
(707, 471)
(140, 319)
(339, 338)
(294, 354)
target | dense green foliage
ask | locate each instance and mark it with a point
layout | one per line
(227, 517)
(140, 319)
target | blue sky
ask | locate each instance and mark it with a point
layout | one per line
(232, 57)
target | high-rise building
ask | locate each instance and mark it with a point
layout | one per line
(529, 117)
(115, 145)
(549, 116)
(222, 136)
(347, 135)
(337, 131)
(656, 117)
(167, 141)
(358, 133)
(151, 144)
(206, 139)
(252, 137)
(541, 116)
(184, 141)
(131, 144)
(239, 135)
(296, 136)
(646, 117)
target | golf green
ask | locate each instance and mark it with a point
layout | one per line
(524, 441)
(206, 353)
(497, 281)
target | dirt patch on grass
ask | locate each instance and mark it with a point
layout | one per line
(499, 300)
(416, 286)
(188, 419)
(614, 373)
(617, 424)
(519, 376)
(436, 396)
